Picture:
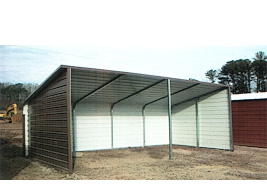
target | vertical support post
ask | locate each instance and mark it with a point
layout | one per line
(144, 126)
(230, 120)
(73, 133)
(111, 115)
(26, 128)
(197, 122)
(170, 118)
(69, 117)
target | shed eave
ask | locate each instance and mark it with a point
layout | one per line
(46, 82)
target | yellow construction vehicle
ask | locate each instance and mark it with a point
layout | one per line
(10, 112)
(2, 116)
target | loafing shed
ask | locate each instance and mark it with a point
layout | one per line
(83, 109)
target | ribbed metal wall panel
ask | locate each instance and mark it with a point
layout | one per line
(250, 122)
(184, 124)
(92, 126)
(214, 117)
(48, 124)
(156, 125)
(127, 126)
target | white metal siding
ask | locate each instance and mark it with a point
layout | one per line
(127, 126)
(93, 124)
(156, 125)
(184, 124)
(92, 127)
(214, 121)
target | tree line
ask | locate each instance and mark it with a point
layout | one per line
(244, 75)
(15, 93)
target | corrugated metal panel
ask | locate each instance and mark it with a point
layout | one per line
(88, 81)
(250, 122)
(127, 126)
(192, 93)
(184, 124)
(92, 127)
(48, 121)
(214, 126)
(156, 125)
(182, 92)
(121, 88)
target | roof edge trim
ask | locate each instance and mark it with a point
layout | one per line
(45, 83)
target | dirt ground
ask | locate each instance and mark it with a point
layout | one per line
(11, 160)
(150, 163)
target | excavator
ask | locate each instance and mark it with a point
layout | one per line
(10, 111)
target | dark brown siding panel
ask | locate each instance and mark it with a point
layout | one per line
(250, 122)
(49, 124)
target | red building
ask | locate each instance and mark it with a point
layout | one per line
(249, 117)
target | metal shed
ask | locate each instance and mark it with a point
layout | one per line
(250, 119)
(83, 109)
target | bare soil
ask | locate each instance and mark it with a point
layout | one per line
(11, 153)
(149, 163)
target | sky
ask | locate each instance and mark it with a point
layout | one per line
(180, 39)
(33, 64)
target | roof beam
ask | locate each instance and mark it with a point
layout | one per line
(137, 92)
(214, 91)
(171, 94)
(97, 90)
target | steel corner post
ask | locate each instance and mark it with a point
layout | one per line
(170, 117)
(197, 121)
(69, 122)
(111, 116)
(230, 120)
(144, 126)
